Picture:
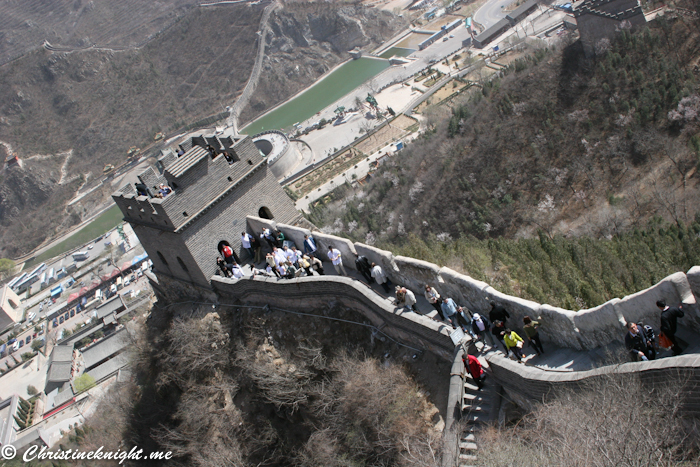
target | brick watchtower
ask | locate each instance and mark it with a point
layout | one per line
(216, 183)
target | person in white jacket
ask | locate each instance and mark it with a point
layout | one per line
(380, 277)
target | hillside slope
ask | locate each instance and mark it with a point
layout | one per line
(309, 39)
(96, 104)
(561, 143)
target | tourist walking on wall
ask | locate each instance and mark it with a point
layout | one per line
(498, 313)
(669, 318)
(227, 251)
(270, 260)
(380, 277)
(639, 344)
(246, 242)
(280, 238)
(257, 248)
(317, 265)
(310, 245)
(236, 270)
(337, 260)
(405, 298)
(473, 366)
(514, 342)
(222, 265)
(434, 299)
(498, 329)
(305, 263)
(267, 235)
(531, 329)
(453, 313)
(363, 265)
(480, 327)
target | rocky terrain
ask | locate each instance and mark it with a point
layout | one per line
(309, 39)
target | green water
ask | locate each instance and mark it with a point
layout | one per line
(398, 51)
(103, 223)
(322, 94)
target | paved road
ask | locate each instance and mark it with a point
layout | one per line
(491, 12)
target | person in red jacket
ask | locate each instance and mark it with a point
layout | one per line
(473, 367)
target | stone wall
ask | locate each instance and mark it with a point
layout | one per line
(527, 385)
(580, 330)
(317, 294)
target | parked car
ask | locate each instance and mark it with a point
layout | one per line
(16, 345)
(21, 343)
(133, 277)
(127, 281)
(72, 312)
(55, 323)
(31, 316)
(28, 340)
(90, 247)
(60, 320)
(139, 273)
(66, 316)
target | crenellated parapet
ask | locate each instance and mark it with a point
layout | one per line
(215, 181)
(576, 329)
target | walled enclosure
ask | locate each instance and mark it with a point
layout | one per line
(580, 330)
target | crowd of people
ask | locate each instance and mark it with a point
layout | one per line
(286, 261)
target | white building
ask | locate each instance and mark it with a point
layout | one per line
(10, 308)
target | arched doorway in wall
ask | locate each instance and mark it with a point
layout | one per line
(221, 246)
(265, 213)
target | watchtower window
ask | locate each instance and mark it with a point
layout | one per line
(182, 264)
(250, 162)
(161, 257)
(230, 179)
(265, 213)
(185, 214)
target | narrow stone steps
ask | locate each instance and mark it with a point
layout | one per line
(467, 446)
(476, 410)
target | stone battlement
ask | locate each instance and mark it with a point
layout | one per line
(579, 330)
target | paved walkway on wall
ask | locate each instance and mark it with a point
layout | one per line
(554, 359)
(424, 308)
(565, 359)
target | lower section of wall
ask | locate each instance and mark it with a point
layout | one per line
(319, 293)
(528, 386)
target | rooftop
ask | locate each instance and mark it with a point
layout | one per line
(61, 353)
(59, 371)
(105, 348)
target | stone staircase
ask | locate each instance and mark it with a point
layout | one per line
(478, 408)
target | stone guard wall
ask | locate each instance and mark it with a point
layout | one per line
(316, 294)
(527, 385)
(580, 330)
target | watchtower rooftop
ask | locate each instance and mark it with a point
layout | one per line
(199, 193)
